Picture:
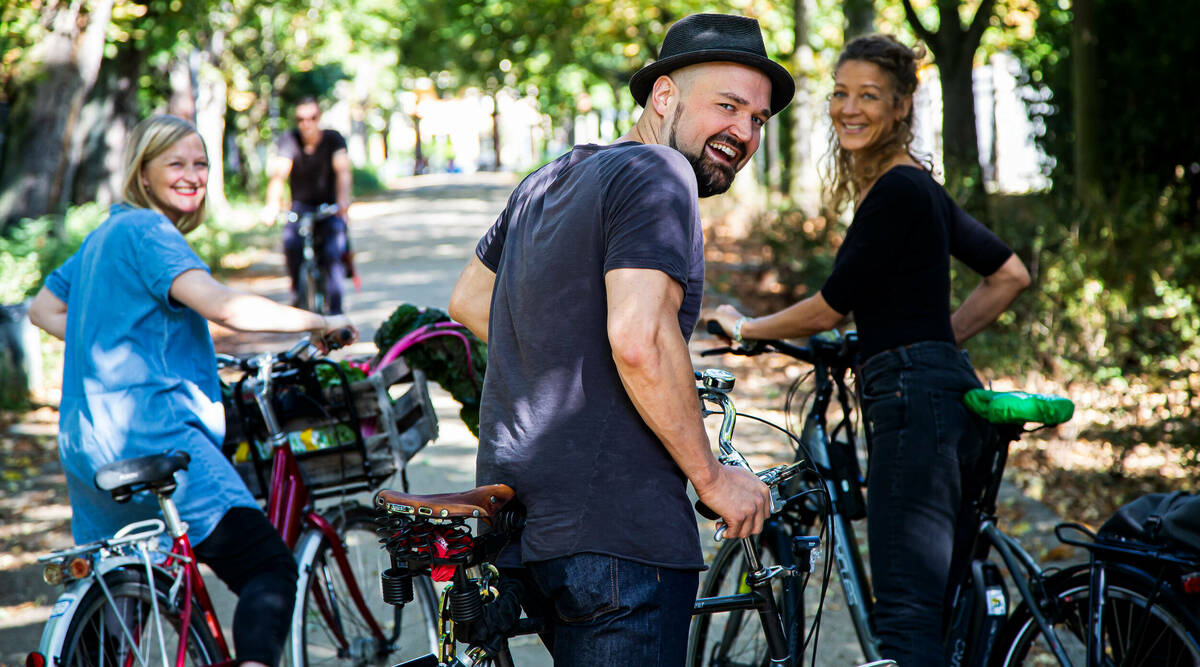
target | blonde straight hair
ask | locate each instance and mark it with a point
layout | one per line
(149, 139)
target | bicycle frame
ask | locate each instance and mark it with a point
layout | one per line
(289, 503)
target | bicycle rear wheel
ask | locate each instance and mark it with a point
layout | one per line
(1136, 632)
(735, 638)
(124, 631)
(333, 631)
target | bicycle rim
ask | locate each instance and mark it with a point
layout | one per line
(735, 639)
(125, 633)
(334, 630)
(1134, 634)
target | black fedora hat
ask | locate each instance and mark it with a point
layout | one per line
(703, 38)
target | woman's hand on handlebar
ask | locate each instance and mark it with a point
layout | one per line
(338, 331)
(741, 500)
(726, 317)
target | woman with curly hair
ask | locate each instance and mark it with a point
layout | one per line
(892, 273)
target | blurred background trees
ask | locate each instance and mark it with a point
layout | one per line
(1107, 218)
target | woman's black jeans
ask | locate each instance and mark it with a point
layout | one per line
(924, 442)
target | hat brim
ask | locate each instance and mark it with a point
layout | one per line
(783, 87)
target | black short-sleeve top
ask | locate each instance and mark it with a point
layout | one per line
(312, 180)
(893, 269)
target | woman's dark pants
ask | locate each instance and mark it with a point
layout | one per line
(246, 553)
(924, 444)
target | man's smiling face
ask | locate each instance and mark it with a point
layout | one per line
(718, 119)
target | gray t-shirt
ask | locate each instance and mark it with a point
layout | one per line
(555, 421)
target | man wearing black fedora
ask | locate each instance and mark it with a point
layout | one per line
(587, 288)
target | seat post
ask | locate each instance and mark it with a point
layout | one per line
(175, 525)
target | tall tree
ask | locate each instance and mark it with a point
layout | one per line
(953, 46)
(44, 144)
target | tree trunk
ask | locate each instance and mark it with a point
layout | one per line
(496, 131)
(44, 144)
(210, 119)
(960, 139)
(110, 114)
(1083, 84)
(860, 18)
(954, 47)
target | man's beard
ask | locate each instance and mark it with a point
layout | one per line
(712, 178)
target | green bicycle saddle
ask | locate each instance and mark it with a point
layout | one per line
(1015, 407)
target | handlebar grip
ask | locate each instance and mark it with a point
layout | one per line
(706, 511)
(714, 327)
(340, 338)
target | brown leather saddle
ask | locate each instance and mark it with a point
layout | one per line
(480, 503)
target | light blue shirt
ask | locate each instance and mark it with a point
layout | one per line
(139, 376)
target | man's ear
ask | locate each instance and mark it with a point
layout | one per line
(664, 92)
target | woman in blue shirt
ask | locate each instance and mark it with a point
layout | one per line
(140, 375)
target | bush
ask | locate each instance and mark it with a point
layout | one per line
(366, 182)
(32, 250)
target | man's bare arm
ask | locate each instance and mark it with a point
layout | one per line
(345, 179)
(652, 360)
(471, 300)
(278, 168)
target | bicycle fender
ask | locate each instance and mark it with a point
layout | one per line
(54, 633)
(305, 551)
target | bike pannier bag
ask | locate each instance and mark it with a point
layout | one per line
(1168, 519)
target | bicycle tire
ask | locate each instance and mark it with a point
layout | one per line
(411, 631)
(1166, 637)
(311, 297)
(735, 638)
(92, 639)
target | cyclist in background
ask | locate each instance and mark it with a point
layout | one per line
(317, 170)
(140, 376)
(893, 272)
(587, 288)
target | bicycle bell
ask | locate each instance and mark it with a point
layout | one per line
(717, 379)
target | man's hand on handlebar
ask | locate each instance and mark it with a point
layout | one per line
(739, 498)
(337, 332)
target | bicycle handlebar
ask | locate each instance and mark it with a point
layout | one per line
(835, 352)
(303, 350)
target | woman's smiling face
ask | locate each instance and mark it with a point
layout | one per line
(863, 107)
(176, 179)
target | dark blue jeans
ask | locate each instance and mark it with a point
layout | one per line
(331, 244)
(924, 444)
(603, 610)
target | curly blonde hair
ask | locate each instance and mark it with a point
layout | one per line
(844, 176)
(148, 140)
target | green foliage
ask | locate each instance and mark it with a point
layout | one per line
(443, 359)
(328, 376)
(1141, 127)
(366, 181)
(31, 251)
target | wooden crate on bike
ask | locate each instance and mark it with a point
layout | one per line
(393, 402)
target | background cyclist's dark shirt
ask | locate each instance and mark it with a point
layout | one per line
(555, 421)
(312, 180)
(893, 269)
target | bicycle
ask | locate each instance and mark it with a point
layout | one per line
(981, 629)
(480, 607)
(1142, 595)
(334, 619)
(310, 284)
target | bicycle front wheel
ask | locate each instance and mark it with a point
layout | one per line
(1137, 628)
(333, 629)
(736, 638)
(312, 292)
(123, 629)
